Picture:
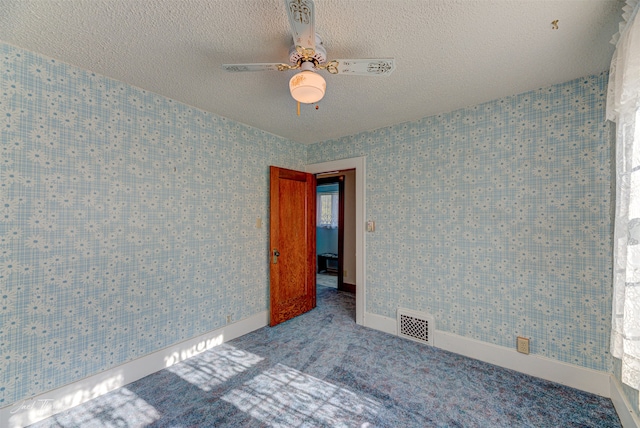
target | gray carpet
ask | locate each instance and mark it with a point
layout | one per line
(327, 280)
(321, 369)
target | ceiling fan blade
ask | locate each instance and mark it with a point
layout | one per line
(361, 67)
(256, 67)
(301, 18)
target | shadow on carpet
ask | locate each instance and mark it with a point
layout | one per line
(321, 369)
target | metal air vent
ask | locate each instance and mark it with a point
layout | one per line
(415, 326)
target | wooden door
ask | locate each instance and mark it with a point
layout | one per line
(292, 228)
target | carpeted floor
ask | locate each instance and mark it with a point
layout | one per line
(321, 369)
(327, 280)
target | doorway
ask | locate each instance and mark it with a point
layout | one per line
(330, 202)
(358, 165)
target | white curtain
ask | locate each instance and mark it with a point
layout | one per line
(327, 206)
(623, 108)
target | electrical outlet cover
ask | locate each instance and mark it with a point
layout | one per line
(522, 345)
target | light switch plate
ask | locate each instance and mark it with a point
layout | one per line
(371, 226)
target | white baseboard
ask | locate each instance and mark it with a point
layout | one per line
(628, 417)
(581, 378)
(378, 322)
(50, 403)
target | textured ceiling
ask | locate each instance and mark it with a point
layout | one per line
(449, 54)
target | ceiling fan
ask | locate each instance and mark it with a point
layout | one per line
(309, 55)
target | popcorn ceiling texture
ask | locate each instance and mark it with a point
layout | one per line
(449, 54)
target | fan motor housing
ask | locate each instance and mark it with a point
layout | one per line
(320, 56)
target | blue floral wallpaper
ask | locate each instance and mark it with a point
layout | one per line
(496, 219)
(127, 222)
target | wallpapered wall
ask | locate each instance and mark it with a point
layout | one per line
(127, 222)
(496, 219)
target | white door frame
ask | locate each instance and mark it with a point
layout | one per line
(359, 165)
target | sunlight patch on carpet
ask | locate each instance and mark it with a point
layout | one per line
(121, 407)
(215, 367)
(285, 397)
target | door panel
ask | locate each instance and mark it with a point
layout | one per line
(292, 244)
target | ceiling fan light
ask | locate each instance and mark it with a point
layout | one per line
(307, 87)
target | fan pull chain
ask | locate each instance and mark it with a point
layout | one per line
(298, 108)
